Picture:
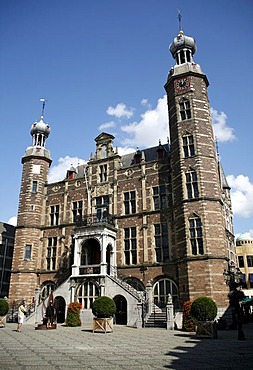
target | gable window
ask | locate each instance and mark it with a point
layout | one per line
(102, 207)
(130, 202)
(54, 215)
(51, 253)
(130, 243)
(196, 237)
(77, 210)
(161, 242)
(192, 184)
(103, 173)
(28, 252)
(188, 146)
(159, 197)
(185, 110)
(34, 187)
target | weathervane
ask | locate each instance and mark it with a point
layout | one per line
(179, 16)
(43, 106)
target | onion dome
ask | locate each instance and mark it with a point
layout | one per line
(183, 48)
(40, 131)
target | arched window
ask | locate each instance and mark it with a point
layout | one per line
(135, 283)
(46, 288)
(162, 289)
(87, 293)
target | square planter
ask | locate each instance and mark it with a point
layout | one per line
(206, 329)
(104, 325)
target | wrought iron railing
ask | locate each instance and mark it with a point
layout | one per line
(94, 219)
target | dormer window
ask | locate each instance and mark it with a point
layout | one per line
(137, 157)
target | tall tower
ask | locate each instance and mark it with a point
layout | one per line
(27, 253)
(199, 227)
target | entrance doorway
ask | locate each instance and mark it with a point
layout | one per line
(60, 307)
(121, 310)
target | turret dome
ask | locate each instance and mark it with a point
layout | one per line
(40, 128)
(182, 42)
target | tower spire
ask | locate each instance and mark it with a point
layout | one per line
(179, 16)
(43, 106)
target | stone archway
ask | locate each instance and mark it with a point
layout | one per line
(90, 254)
(121, 310)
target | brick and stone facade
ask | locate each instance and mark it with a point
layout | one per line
(160, 215)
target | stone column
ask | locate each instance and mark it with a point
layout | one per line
(36, 304)
(139, 313)
(170, 313)
(149, 296)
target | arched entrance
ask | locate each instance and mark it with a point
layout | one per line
(121, 310)
(90, 252)
(162, 288)
(60, 307)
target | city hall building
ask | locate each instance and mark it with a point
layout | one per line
(137, 227)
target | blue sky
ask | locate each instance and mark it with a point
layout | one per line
(101, 66)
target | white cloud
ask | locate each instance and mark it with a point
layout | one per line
(221, 131)
(106, 125)
(125, 150)
(241, 195)
(152, 127)
(12, 221)
(120, 111)
(58, 172)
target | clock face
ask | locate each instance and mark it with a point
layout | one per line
(182, 84)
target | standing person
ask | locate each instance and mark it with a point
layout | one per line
(50, 314)
(235, 298)
(21, 314)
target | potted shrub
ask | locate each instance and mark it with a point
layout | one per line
(73, 314)
(103, 308)
(204, 311)
(4, 308)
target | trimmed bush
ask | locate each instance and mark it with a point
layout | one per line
(103, 307)
(203, 309)
(73, 314)
(4, 307)
(188, 321)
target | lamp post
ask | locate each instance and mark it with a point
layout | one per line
(232, 275)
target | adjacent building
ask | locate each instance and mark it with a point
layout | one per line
(137, 227)
(7, 236)
(244, 252)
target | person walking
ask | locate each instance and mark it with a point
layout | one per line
(21, 314)
(235, 298)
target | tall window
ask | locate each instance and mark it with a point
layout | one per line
(54, 215)
(188, 146)
(196, 236)
(192, 184)
(130, 202)
(77, 210)
(240, 261)
(185, 110)
(102, 207)
(103, 173)
(159, 197)
(28, 252)
(250, 261)
(51, 253)
(34, 187)
(86, 294)
(130, 243)
(161, 242)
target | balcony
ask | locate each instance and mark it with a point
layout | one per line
(94, 219)
(98, 269)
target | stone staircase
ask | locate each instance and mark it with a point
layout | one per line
(157, 319)
(127, 287)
